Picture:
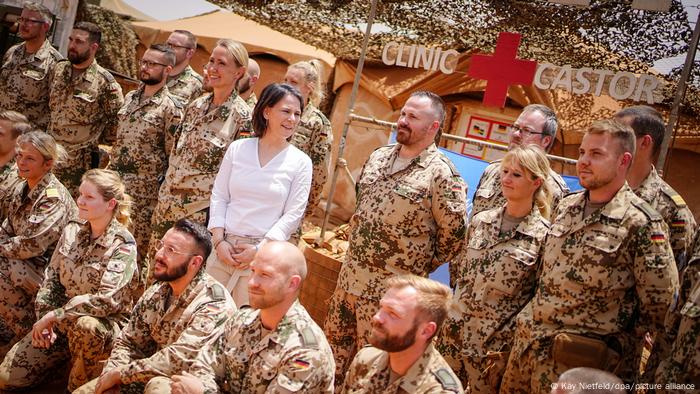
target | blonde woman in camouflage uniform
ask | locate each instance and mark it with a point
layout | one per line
(497, 272)
(313, 135)
(209, 125)
(39, 208)
(87, 293)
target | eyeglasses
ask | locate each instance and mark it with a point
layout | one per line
(27, 20)
(523, 130)
(151, 64)
(176, 46)
(170, 251)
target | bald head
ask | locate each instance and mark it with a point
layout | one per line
(245, 85)
(589, 381)
(286, 257)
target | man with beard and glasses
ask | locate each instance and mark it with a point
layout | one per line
(183, 82)
(272, 347)
(410, 219)
(84, 100)
(608, 274)
(536, 125)
(182, 311)
(25, 70)
(145, 136)
(402, 358)
(245, 85)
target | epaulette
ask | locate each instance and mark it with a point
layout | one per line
(323, 117)
(217, 292)
(124, 234)
(308, 338)
(673, 195)
(647, 209)
(107, 75)
(446, 379)
(449, 163)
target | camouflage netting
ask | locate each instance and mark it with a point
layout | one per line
(607, 34)
(118, 48)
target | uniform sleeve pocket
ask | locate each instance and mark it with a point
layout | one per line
(291, 385)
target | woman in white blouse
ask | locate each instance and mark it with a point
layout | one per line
(261, 190)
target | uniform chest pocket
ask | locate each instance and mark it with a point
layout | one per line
(152, 119)
(606, 242)
(85, 106)
(414, 194)
(36, 74)
(514, 273)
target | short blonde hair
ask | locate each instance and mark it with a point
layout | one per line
(110, 185)
(621, 133)
(534, 161)
(237, 52)
(312, 70)
(45, 144)
(20, 124)
(433, 297)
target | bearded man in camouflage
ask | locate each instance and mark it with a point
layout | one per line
(410, 218)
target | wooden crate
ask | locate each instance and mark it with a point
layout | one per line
(320, 282)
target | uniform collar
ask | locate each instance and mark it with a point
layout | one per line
(416, 374)
(422, 160)
(156, 99)
(649, 187)
(281, 333)
(107, 238)
(40, 187)
(530, 226)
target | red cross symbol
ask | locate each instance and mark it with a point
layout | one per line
(502, 69)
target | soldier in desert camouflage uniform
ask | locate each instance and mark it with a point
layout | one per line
(498, 272)
(145, 137)
(87, 294)
(183, 83)
(649, 130)
(402, 358)
(173, 319)
(410, 218)
(245, 86)
(537, 124)
(608, 274)
(682, 363)
(313, 135)
(84, 100)
(39, 209)
(209, 125)
(26, 67)
(643, 178)
(12, 125)
(273, 347)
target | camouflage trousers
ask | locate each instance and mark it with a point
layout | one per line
(155, 386)
(19, 282)
(477, 374)
(530, 374)
(347, 327)
(169, 210)
(86, 342)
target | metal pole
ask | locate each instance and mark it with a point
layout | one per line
(453, 137)
(351, 105)
(680, 93)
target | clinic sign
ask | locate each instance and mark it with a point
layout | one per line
(503, 69)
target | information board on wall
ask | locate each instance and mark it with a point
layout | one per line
(489, 130)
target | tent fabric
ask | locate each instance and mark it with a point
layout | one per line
(158, 10)
(258, 39)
